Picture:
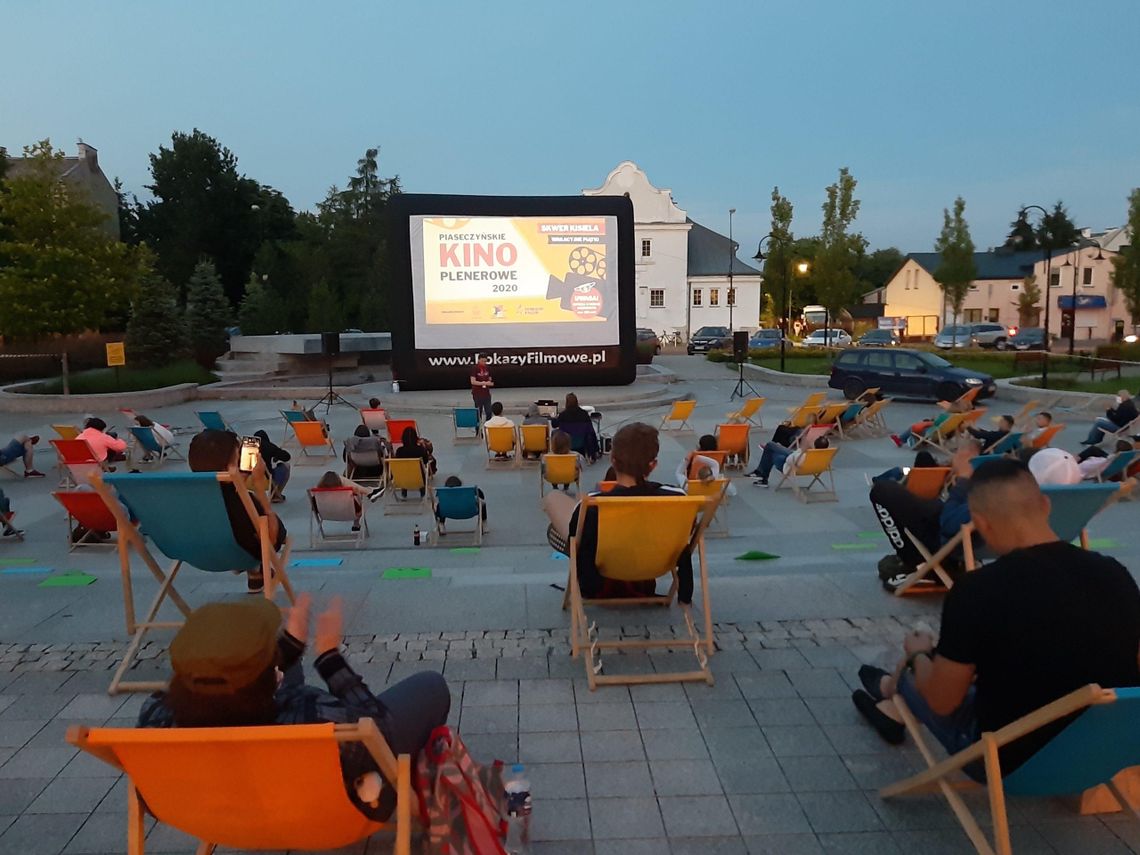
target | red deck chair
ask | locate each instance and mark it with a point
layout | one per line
(88, 509)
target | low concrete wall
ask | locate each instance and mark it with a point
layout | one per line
(308, 344)
(768, 375)
(14, 401)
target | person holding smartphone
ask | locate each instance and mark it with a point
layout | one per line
(218, 451)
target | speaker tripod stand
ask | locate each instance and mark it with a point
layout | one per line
(741, 383)
(331, 396)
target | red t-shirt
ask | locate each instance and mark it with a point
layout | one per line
(482, 375)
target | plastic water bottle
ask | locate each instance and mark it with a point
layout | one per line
(416, 536)
(517, 789)
(396, 387)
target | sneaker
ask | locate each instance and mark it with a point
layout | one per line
(356, 526)
(759, 482)
(13, 532)
(33, 473)
(376, 494)
(897, 440)
(255, 582)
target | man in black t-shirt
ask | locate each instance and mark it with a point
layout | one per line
(1044, 619)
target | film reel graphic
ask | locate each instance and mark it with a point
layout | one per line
(586, 262)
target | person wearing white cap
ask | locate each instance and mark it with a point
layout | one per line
(1054, 466)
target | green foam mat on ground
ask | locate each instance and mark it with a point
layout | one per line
(8, 561)
(74, 579)
(466, 550)
(851, 547)
(756, 555)
(1100, 543)
(406, 573)
(870, 535)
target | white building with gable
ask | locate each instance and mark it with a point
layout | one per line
(682, 267)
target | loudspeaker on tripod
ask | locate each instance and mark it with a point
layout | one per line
(330, 343)
(740, 346)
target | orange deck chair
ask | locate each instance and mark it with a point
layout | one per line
(927, 482)
(311, 436)
(733, 439)
(1043, 439)
(223, 785)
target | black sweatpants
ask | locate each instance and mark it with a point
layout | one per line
(897, 508)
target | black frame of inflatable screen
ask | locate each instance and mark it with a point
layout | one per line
(410, 365)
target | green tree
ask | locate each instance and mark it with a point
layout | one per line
(1126, 263)
(1028, 310)
(203, 207)
(777, 275)
(956, 269)
(833, 273)
(876, 269)
(261, 313)
(1055, 231)
(207, 314)
(324, 313)
(59, 271)
(156, 333)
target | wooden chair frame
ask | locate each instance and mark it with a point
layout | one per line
(161, 452)
(492, 460)
(750, 408)
(941, 776)
(718, 489)
(318, 518)
(129, 537)
(90, 537)
(101, 742)
(583, 633)
(940, 436)
(310, 435)
(679, 411)
(395, 504)
(803, 493)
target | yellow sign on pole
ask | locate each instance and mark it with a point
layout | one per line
(116, 354)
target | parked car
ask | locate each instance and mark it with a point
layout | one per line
(709, 338)
(827, 338)
(878, 338)
(646, 334)
(1030, 338)
(762, 339)
(973, 335)
(905, 372)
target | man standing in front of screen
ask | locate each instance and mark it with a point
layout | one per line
(481, 384)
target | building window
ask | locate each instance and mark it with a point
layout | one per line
(646, 248)
(973, 287)
(696, 296)
(972, 316)
(657, 298)
(1016, 286)
(1087, 276)
(1055, 279)
(714, 296)
(992, 316)
(732, 296)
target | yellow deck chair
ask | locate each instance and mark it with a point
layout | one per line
(812, 401)
(815, 464)
(751, 407)
(66, 431)
(501, 440)
(801, 417)
(410, 475)
(716, 488)
(639, 539)
(678, 416)
(927, 482)
(830, 413)
(558, 469)
(941, 434)
(734, 440)
(312, 437)
(193, 779)
(533, 439)
(870, 420)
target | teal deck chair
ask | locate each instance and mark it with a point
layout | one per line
(1008, 443)
(184, 516)
(1101, 741)
(459, 503)
(148, 442)
(1118, 465)
(983, 459)
(847, 418)
(465, 418)
(291, 416)
(212, 420)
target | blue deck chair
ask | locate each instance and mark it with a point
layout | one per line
(459, 503)
(983, 459)
(1100, 742)
(1118, 465)
(212, 420)
(1008, 443)
(146, 440)
(184, 515)
(465, 418)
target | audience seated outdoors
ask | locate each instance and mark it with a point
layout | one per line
(691, 464)
(1093, 460)
(22, 447)
(275, 459)
(578, 423)
(9, 531)
(1042, 620)
(413, 446)
(364, 454)
(162, 434)
(105, 446)
(235, 665)
(1041, 423)
(560, 444)
(634, 457)
(218, 451)
(782, 457)
(441, 520)
(922, 460)
(1114, 418)
(497, 418)
(359, 492)
(989, 437)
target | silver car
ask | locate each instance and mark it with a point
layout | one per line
(985, 334)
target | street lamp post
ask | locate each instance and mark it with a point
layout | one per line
(1081, 244)
(801, 267)
(1046, 249)
(731, 257)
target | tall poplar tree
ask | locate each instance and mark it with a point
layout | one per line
(956, 269)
